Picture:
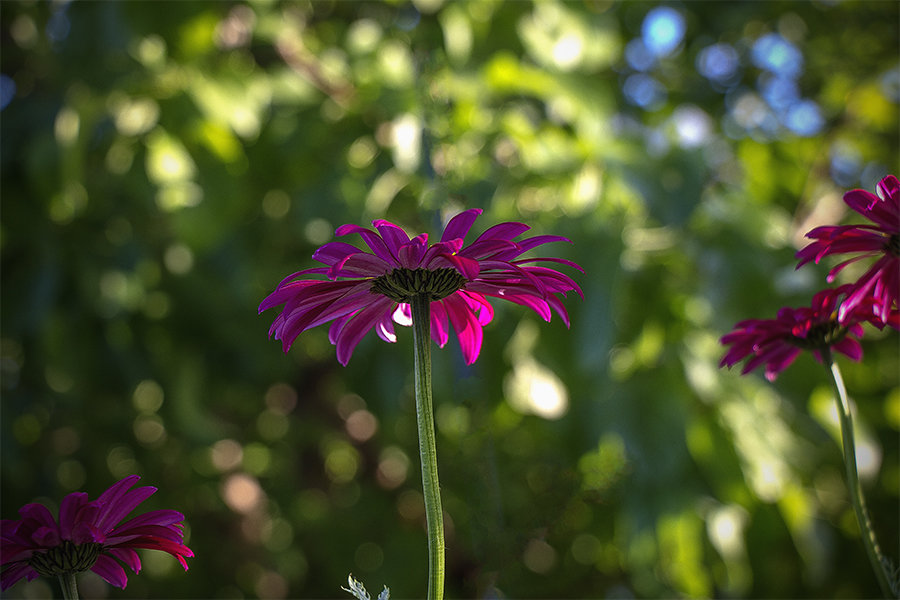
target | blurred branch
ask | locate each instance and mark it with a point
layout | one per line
(295, 55)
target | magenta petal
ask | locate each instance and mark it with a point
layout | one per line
(16, 572)
(154, 517)
(372, 239)
(539, 240)
(298, 321)
(410, 255)
(68, 510)
(117, 490)
(503, 231)
(850, 348)
(360, 265)
(875, 209)
(111, 571)
(286, 291)
(483, 310)
(533, 302)
(357, 327)
(491, 249)
(458, 227)
(46, 537)
(334, 252)
(440, 331)
(561, 261)
(467, 267)
(394, 237)
(127, 556)
(437, 252)
(384, 328)
(179, 551)
(115, 512)
(468, 330)
(39, 513)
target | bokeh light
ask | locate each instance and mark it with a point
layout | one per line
(164, 167)
(662, 30)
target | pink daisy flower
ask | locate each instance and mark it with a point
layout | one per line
(881, 241)
(777, 342)
(88, 536)
(365, 290)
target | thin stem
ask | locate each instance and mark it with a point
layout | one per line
(421, 317)
(69, 586)
(879, 564)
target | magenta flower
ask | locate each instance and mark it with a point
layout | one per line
(88, 536)
(881, 240)
(777, 342)
(365, 290)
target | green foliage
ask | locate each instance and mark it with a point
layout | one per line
(165, 165)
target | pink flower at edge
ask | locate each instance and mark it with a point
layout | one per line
(881, 240)
(365, 290)
(88, 535)
(776, 342)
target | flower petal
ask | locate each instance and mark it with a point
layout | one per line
(440, 329)
(458, 227)
(110, 571)
(503, 231)
(394, 237)
(353, 330)
(372, 239)
(68, 510)
(467, 327)
(127, 556)
(39, 513)
(16, 572)
(334, 252)
(115, 511)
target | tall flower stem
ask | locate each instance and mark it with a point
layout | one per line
(421, 317)
(879, 562)
(69, 586)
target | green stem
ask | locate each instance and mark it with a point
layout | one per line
(421, 317)
(879, 564)
(69, 586)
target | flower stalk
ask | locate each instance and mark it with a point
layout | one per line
(873, 551)
(421, 323)
(69, 586)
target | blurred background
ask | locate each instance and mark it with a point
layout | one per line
(165, 165)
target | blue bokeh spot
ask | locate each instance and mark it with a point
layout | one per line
(7, 90)
(777, 55)
(662, 30)
(643, 90)
(718, 62)
(804, 118)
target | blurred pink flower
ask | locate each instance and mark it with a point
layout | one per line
(881, 240)
(365, 290)
(777, 342)
(87, 536)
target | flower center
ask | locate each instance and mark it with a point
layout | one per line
(820, 335)
(403, 284)
(893, 245)
(68, 557)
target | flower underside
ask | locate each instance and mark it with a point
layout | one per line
(68, 557)
(376, 288)
(402, 284)
(893, 245)
(821, 335)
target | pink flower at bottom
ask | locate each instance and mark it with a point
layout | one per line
(777, 342)
(88, 536)
(371, 290)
